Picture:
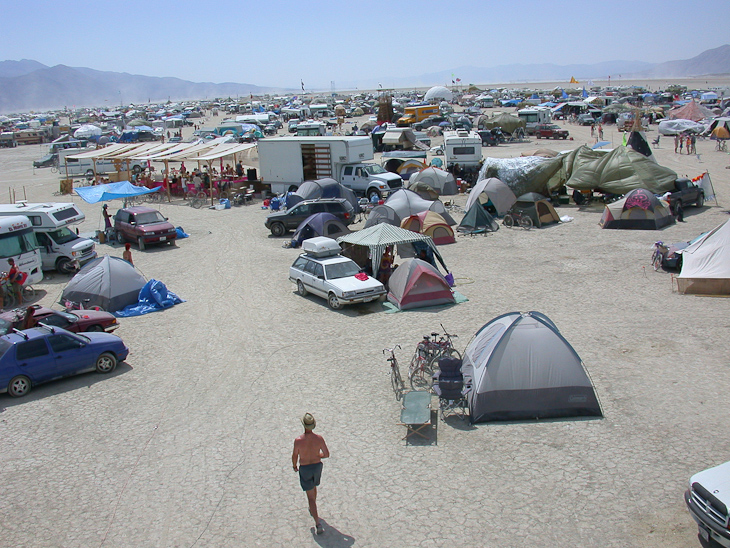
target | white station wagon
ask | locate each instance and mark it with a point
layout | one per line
(322, 271)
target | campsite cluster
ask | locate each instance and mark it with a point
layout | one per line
(444, 250)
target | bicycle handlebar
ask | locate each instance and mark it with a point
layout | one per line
(391, 349)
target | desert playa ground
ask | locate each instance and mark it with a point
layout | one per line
(188, 443)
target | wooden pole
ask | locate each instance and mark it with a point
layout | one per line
(167, 179)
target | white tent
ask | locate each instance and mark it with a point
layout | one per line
(495, 190)
(87, 131)
(706, 264)
(438, 92)
(675, 127)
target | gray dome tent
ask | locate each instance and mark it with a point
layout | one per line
(523, 368)
(323, 188)
(109, 282)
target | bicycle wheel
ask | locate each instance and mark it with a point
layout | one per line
(8, 299)
(421, 378)
(28, 293)
(656, 260)
(197, 202)
(526, 222)
(396, 381)
(508, 221)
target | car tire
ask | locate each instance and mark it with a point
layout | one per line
(278, 230)
(700, 200)
(371, 193)
(301, 289)
(121, 240)
(95, 329)
(537, 135)
(19, 386)
(89, 173)
(140, 243)
(106, 363)
(64, 265)
(333, 302)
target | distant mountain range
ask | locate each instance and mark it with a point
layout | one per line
(29, 85)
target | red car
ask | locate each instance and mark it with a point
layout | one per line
(143, 225)
(76, 321)
(550, 131)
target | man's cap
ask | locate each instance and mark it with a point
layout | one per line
(104, 206)
(308, 421)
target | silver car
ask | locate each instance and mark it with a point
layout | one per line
(335, 278)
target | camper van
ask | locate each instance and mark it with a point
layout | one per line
(286, 162)
(534, 117)
(411, 115)
(73, 166)
(60, 248)
(463, 148)
(18, 242)
(310, 128)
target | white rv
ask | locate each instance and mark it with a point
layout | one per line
(18, 242)
(60, 247)
(534, 116)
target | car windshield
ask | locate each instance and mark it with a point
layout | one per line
(375, 170)
(341, 270)
(149, 218)
(63, 236)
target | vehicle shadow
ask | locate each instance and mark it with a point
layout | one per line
(61, 386)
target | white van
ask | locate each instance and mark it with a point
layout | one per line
(60, 247)
(18, 242)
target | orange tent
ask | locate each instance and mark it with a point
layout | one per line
(431, 224)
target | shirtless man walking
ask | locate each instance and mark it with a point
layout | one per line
(309, 450)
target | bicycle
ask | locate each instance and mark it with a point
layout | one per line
(445, 349)
(518, 217)
(395, 377)
(9, 295)
(420, 375)
(660, 251)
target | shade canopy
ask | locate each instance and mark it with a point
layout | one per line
(112, 191)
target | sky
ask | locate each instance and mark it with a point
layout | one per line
(279, 43)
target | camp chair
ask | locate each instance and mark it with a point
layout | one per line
(416, 413)
(450, 387)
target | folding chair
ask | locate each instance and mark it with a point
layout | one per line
(449, 386)
(416, 413)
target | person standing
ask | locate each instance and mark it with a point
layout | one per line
(593, 131)
(127, 255)
(309, 450)
(107, 217)
(689, 145)
(693, 142)
(681, 143)
(600, 132)
(16, 278)
(676, 142)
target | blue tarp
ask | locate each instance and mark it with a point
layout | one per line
(153, 296)
(112, 191)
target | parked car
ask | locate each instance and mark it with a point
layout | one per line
(707, 499)
(35, 356)
(49, 160)
(282, 221)
(175, 139)
(586, 120)
(550, 131)
(491, 137)
(426, 123)
(143, 225)
(76, 321)
(333, 277)
(270, 129)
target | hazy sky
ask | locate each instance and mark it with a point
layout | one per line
(280, 42)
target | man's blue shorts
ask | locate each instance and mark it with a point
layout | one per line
(309, 475)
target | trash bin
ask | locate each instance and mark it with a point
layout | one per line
(251, 174)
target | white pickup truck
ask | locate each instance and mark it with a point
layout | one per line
(707, 499)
